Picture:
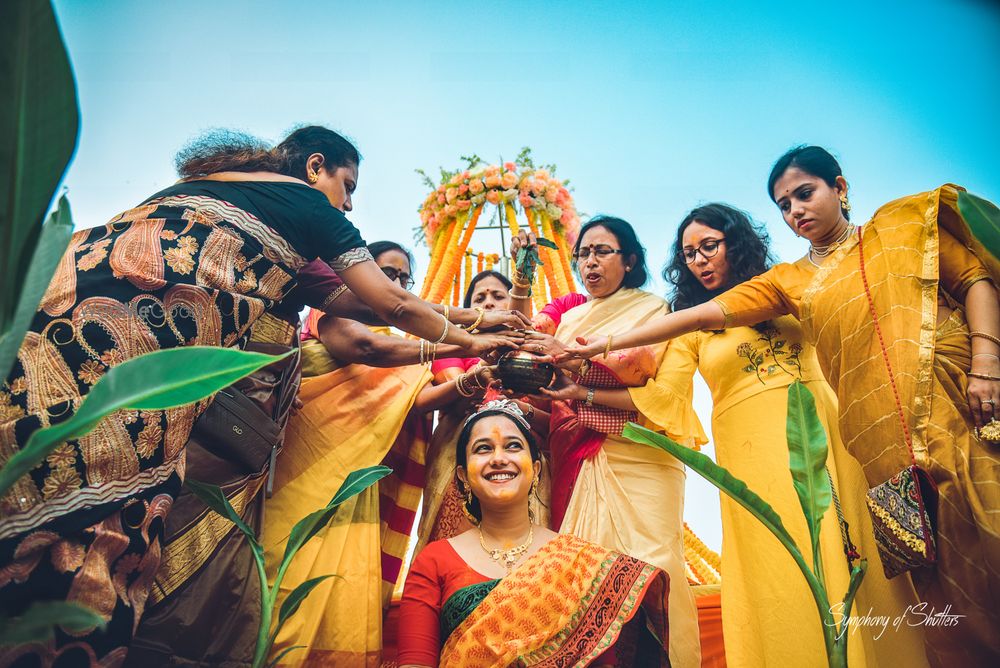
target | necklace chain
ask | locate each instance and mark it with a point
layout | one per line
(823, 251)
(507, 558)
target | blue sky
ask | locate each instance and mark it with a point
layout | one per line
(648, 108)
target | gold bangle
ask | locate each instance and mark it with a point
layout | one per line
(434, 352)
(446, 316)
(482, 314)
(444, 333)
(514, 295)
(423, 347)
(982, 376)
(462, 389)
(984, 335)
(607, 346)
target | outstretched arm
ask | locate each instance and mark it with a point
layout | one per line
(704, 316)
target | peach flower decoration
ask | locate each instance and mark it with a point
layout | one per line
(508, 180)
(476, 186)
(493, 180)
(493, 197)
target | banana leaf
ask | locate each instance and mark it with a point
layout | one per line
(154, 381)
(297, 595)
(39, 123)
(807, 454)
(38, 622)
(983, 218)
(56, 233)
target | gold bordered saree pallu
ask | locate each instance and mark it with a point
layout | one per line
(565, 606)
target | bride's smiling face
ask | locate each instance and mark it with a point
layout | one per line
(499, 467)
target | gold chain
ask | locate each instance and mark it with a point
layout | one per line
(507, 558)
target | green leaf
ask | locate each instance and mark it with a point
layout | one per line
(282, 653)
(542, 241)
(718, 476)
(39, 123)
(355, 483)
(213, 497)
(55, 236)
(154, 381)
(857, 574)
(983, 218)
(297, 596)
(807, 454)
(38, 622)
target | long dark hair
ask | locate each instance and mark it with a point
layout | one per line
(376, 248)
(222, 150)
(467, 302)
(813, 160)
(627, 239)
(463, 441)
(747, 253)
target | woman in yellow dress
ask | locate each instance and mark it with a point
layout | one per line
(931, 285)
(606, 489)
(748, 370)
(369, 405)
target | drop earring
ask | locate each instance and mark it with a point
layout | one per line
(313, 177)
(844, 204)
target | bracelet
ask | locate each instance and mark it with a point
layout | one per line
(444, 333)
(986, 355)
(475, 376)
(446, 316)
(514, 295)
(982, 376)
(482, 314)
(530, 412)
(423, 354)
(462, 389)
(519, 280)
(607, 346)
(984, 335)
(590, 397)
(434, 352)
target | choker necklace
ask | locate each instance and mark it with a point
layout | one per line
(507, 558)
(823, 251)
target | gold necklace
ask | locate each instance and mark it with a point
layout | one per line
(823, 251)
(507, 558)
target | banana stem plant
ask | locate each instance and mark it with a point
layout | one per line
(807, 448)
(355, 483)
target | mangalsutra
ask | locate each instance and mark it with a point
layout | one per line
(507, 558)
(823, 251)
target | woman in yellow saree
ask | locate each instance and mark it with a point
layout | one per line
(932, 288)
(606, 489)
(353, 415)
(748, 370)
(509, 592)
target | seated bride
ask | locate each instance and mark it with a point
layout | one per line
(510, 592)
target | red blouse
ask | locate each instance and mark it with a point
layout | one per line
(436, 573)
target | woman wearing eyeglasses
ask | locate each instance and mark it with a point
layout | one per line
(748, 370)
(366, 399)
(605, 489)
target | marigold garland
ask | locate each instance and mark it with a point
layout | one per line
(450, 211)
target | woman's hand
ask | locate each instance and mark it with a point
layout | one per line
(484, 344)
(538, 343)
(583, 349)
(563, 388)
(523, 239)
(984, 397)
(502, 318)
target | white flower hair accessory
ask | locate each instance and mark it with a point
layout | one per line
(500, 407)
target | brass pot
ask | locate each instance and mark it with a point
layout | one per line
(521, 372)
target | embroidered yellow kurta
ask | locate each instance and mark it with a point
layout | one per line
(913, 247)
(768, 614)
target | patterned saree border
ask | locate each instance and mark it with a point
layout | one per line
(607, 591)
(275, 247)
(88, 497)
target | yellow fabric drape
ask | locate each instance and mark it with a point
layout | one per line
(349, 420)
(910, 255)
(630, 497)
(768, 613)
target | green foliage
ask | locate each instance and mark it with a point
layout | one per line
(38, 623)
(807, 458)
(56, 233)
(155, 381)
(39, 120)
(355, 483)
(983, 218)
(807, 454)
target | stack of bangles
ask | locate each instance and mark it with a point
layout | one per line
(519, 282)
(991, 430)
(464, 387)
(988, 337)
(428, 352)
